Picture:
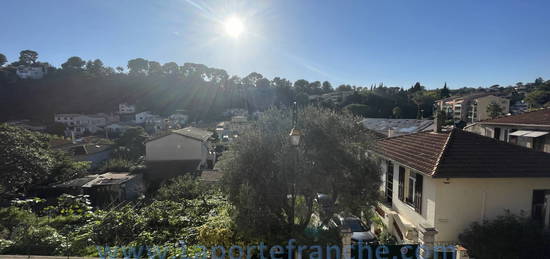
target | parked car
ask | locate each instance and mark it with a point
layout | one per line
(360, 231)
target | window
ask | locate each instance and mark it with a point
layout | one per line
(411, 189)
(389, 181)
(401, 190)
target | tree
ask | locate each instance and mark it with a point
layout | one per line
(358, 109)
(138, 66)
(327, 87)
(131, 144)
(272, 184)
(26, 160)
(3, 59)
(95, 67)
(73, 64)
(494, 110)
(396, 112)
(416, 88)
(444, 93)
(170, 68)
(343, 88)
(28, 57)
(154, 68)
(119, 69)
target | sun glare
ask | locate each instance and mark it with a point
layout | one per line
(234, 27)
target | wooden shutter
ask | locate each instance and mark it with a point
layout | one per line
(418, 193)
(401, 191)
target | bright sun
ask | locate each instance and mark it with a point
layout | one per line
(234, 27)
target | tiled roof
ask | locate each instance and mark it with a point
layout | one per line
(539, 117)
(458, 153)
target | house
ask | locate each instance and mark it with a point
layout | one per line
(32, 72)
(125, 108)
(179, 117)
(90, 149)
(437, 183)
(180, 151)
(142, 117)
(528, 129)
(471, 108)
(397, 127)
(79, 124)
(105, 189)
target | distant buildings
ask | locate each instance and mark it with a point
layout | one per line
(125, 108)
(471, 108)
(32, 72)
(530, 129)
(79, 124)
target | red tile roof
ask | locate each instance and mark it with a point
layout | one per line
(539, 117)
(458, 153)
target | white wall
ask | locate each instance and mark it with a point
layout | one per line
(174, 147)
(463, 201)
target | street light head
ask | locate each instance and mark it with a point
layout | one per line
(295, 135)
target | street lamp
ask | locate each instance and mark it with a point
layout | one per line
(295, 134)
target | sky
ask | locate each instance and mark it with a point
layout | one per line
(395, 42)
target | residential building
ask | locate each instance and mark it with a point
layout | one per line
(179, 117)
(471, 108)
(436, 184)
(528, 129)
(105, 189)
(141, 117)
(397, 127)
(32, 72)
(79, 124)
(125, 108)
(180, 151)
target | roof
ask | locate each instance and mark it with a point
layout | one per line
(97, 179)
(190, 132)
(211, 175)
(459, 153)
(538, 118)
(399, 126)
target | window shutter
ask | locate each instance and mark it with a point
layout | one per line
(418, 193)
(401, 191)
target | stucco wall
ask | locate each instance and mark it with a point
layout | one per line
(406, 211)
(483, 103)
(174, 147)
(463, 201)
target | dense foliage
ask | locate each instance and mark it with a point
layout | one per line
(70, 226)
(506, 237)
(27, 161)
(273, 185)
(88, 87)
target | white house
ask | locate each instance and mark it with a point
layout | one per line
(125, 108)
(180, 151)
(80, 123)
(436, 184)
(142, 117)
(31, 72)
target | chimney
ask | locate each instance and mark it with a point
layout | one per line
(438, 121)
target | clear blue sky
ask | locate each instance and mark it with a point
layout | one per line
(398, 42)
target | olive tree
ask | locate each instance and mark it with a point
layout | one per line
(273, 185)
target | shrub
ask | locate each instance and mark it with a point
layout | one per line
(507, 236)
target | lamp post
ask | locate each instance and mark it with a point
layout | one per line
(294, 137)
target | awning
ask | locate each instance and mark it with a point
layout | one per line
(528, 133)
